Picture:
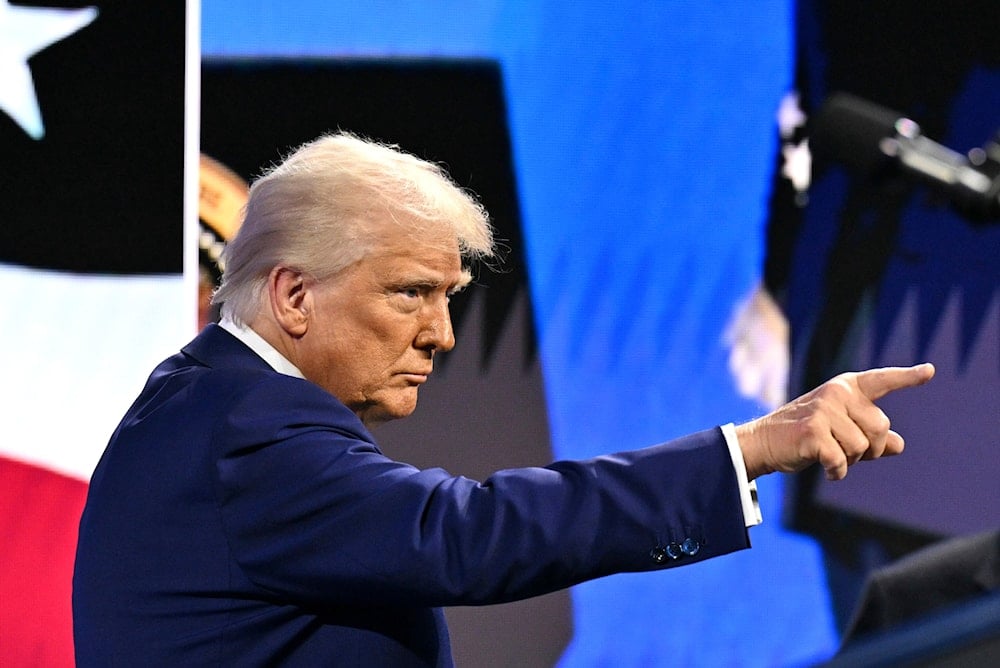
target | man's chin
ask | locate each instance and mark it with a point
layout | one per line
(382, 413)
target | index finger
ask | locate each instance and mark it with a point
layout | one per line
(876, 383)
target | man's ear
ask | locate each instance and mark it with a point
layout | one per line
(291, 300)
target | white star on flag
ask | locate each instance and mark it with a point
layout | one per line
(24, 31)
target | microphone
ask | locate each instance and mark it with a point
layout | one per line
(865, 136)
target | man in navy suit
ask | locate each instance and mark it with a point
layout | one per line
(243, 514)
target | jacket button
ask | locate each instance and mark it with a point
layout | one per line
(690, 547)
(658, 554)
(673, 551)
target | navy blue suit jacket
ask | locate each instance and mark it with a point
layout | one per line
(243, 517)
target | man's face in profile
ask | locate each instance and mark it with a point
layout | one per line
(377, 324)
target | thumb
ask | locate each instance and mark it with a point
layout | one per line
(876, 383)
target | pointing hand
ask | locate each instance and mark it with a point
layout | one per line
(837, 424)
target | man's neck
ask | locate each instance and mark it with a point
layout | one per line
(259, 345)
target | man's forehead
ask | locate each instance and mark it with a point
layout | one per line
(427, 265)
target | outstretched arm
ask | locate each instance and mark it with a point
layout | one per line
(836, 424)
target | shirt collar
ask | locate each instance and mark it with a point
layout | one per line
(265, 350)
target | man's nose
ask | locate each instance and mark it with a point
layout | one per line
(437, 333)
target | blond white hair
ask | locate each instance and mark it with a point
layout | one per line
(319, 211)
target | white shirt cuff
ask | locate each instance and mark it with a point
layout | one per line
(748, 488)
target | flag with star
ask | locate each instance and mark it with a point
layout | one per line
(92, 154)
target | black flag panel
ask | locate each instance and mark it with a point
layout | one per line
(91, 146)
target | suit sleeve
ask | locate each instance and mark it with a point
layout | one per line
(315, 512)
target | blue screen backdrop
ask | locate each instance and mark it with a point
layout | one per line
(644, 139)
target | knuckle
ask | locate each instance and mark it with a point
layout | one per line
(837, 390)
(835, 471)
(809, 428)
(882, 423)
(855, 448)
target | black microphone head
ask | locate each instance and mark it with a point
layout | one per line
(850, 130)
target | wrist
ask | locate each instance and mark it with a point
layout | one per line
(752, 445)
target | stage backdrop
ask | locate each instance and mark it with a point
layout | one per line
(641, 139)
(486, 410)
(880, 268)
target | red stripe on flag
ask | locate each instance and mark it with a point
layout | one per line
(39, 516)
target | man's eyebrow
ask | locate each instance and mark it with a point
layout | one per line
(429, 279)
(463, 281)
